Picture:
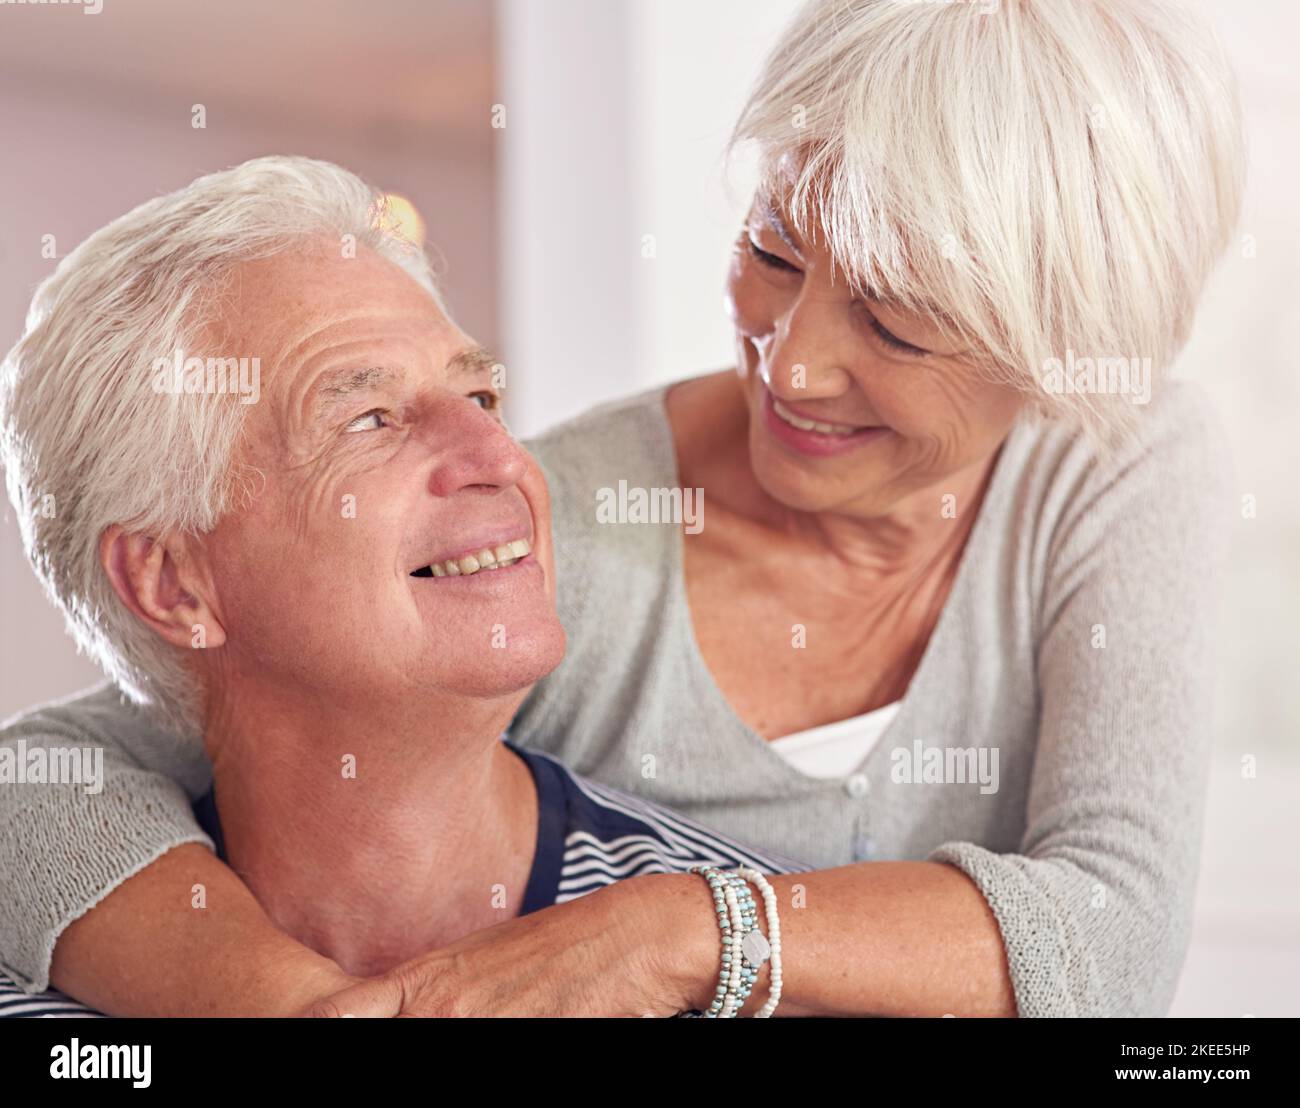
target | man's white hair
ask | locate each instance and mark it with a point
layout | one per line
(85, 438)
(1042, 177)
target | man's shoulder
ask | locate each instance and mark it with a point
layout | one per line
(631, 834)
(14, 1002)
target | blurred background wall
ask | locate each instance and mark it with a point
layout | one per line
(586, 241)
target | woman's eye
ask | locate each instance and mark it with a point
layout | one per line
(772, 261)
(371, 421)
(894, 342)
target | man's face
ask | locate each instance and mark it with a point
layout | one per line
(376, 451)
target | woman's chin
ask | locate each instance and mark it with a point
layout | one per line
(809, 485)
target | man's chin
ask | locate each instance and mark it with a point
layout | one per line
(511, 667)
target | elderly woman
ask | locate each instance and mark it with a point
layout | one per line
(944, 633)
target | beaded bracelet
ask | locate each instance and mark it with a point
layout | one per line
(744, 948)
(744, 921)
(773, 941)
(718, 885)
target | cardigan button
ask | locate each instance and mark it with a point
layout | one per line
(857, 786)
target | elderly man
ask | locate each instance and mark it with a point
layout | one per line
(345, 587)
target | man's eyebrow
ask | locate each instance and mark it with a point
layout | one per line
(338, 387)
(773, 219)
(472, 361)
(334, 389)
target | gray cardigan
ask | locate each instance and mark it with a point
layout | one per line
(1072, 655)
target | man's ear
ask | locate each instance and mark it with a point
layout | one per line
(164, 586)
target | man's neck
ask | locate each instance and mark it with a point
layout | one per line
(374, 840)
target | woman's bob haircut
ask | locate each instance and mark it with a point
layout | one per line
(1052, 181)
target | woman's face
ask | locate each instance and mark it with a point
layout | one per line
(897, 405)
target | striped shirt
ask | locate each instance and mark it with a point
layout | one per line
(588, 836)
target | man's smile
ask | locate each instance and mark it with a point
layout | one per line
(478, 559)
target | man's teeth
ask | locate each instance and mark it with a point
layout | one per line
(488, 558)
(809, 424)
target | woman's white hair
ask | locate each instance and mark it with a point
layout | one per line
(85, 438)
(1047, 179)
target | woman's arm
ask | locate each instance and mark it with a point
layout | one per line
(876, 938)
(891, 939)
(873, 938)
(146, 950)
(100, 875)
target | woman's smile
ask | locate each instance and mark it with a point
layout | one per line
(813, 437)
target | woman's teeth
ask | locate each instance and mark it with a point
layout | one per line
(810, 424)
(488, 558)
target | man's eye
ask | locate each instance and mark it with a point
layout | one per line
(371, 421)
(488, 401)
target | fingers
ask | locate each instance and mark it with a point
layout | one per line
(379, 998)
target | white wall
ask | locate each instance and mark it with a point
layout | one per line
(617, 114)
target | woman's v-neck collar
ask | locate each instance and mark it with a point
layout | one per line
(975, 541)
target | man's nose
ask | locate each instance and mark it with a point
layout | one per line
(474, 451)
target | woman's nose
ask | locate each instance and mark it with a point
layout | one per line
(811, 350)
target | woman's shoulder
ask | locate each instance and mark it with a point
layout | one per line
(103, 717)
(615, 504)
(1153, 500)
(1175, 451)
(626, 439)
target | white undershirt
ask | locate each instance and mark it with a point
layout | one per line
(835, 749)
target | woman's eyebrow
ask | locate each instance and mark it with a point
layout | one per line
(773, 219)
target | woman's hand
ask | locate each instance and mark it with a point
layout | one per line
(647, 946)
